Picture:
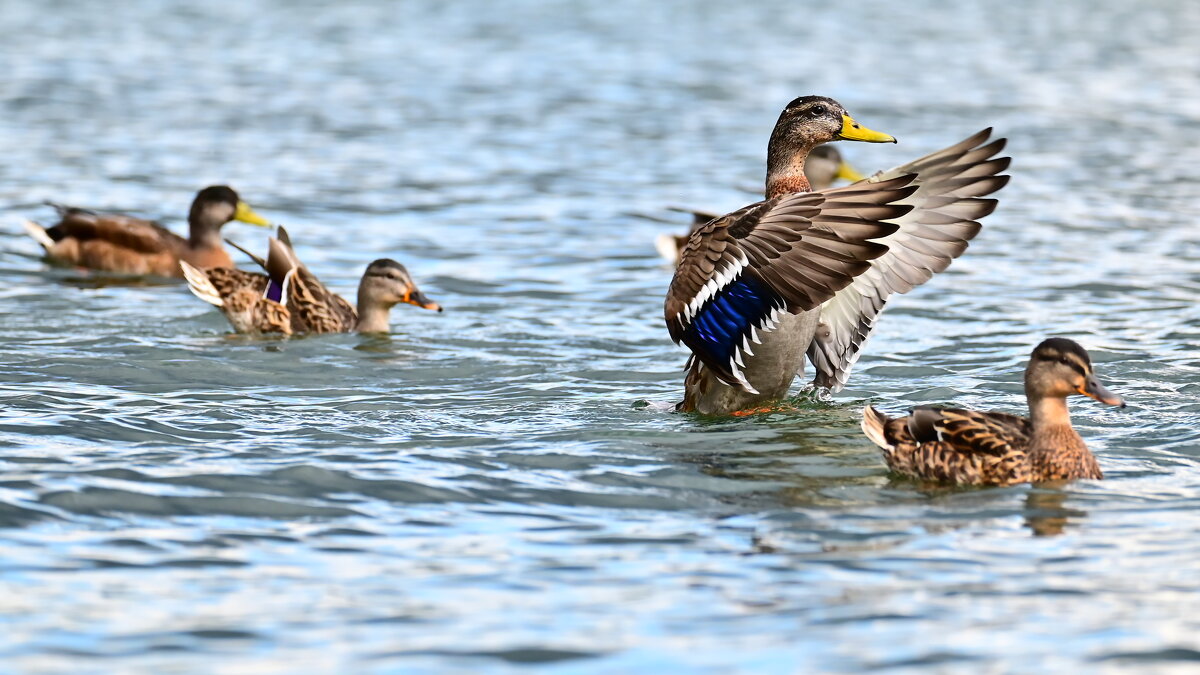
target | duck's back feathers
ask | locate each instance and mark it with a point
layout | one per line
(240, 295)
(314, 308)
(317, 309)
(946, 206)
(786, 254)
(950, 445)
(119, 243)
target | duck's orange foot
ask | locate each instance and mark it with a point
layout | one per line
(778, 407)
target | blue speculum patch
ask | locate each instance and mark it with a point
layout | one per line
(274, 291)
(720, 326)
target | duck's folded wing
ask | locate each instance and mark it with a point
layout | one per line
(945, 209)
(320, 309)
(991, 433)
(790, 253)
(134, 234)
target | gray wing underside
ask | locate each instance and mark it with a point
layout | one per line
(946, 207)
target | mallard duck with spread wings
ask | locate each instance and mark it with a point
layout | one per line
(128, 245)
(805, 274)
(289, 299)
(993, 448)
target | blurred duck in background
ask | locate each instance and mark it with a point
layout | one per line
(128, 245)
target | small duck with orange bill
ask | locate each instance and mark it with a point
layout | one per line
(289, 299)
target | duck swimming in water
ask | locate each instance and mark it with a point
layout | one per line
(992, 448)
(289, 299)
(128, 245)
(804, 275)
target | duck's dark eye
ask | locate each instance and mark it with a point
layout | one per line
(818, 110)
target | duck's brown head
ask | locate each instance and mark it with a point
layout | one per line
(387, 283)
(218, 204)
(804, 124)
(1059, 368)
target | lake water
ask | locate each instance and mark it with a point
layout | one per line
(485, 490)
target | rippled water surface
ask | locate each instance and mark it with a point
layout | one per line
(484, 489)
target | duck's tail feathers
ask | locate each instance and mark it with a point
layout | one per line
(873, 424)
(282, 235)
(39, 234)
(200, 285)
(65, 210)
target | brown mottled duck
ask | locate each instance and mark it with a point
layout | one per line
(289, 299)
(993, 448)
(128, 245)
(804, 275)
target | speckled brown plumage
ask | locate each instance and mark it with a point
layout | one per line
(308, 306)
(994, 448)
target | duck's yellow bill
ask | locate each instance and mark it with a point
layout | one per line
(246, 214)
(853, 131)
(847, 173)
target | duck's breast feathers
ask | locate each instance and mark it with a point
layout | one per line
(790, 253)
(969, 431)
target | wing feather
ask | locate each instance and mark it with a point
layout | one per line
(948, 200)
(788, 253)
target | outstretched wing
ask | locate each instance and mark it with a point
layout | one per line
(790, 253)
(946, 206)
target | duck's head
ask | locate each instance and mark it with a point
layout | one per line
(1059, 368)
(806, 123)
(809, 121)
(218, 204)
(386, 283)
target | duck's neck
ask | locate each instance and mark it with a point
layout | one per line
(1056, 451)
(202, 234)
(1051, 425)
(372, 316)
(785, 167)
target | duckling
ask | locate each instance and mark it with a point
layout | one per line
(804, 275)
(127, 245)
(289, 299)
(993, 448)
(824, 166)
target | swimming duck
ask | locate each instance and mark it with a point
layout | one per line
(993, 448)
(823, 166)
(127, 245)
(290, 299)
(805, 274)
